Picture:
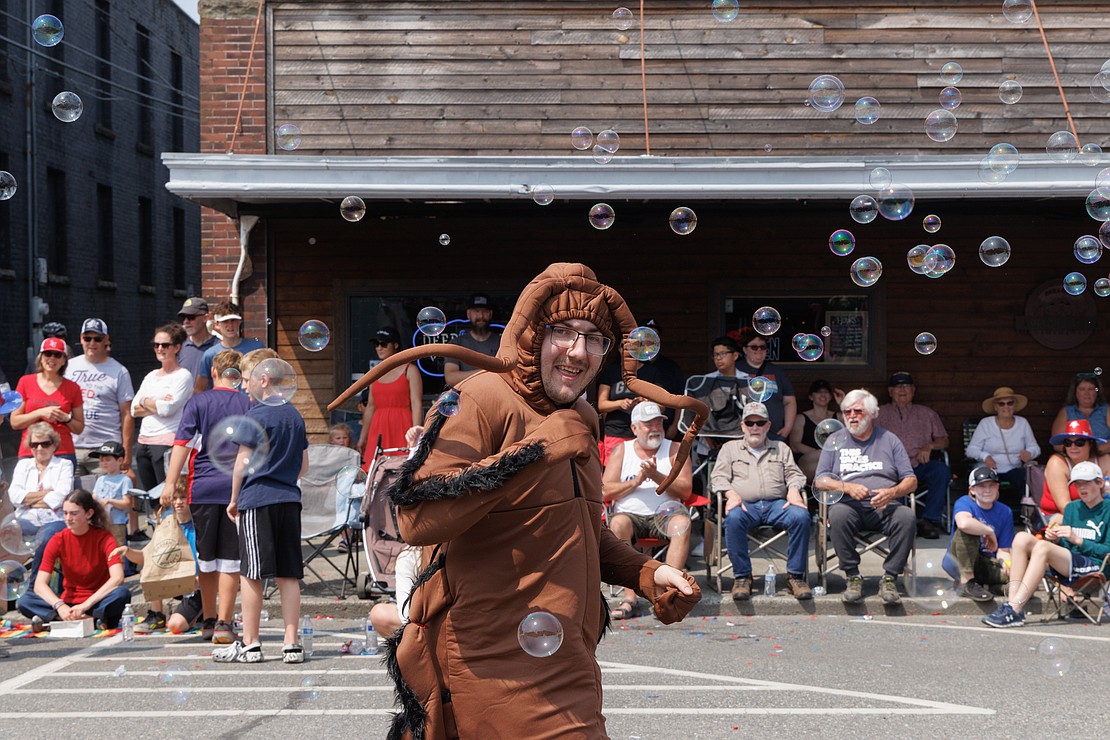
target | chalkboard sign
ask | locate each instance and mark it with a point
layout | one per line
(843, 322)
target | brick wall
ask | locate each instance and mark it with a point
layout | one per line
(226, 29)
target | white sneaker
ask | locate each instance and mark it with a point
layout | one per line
(237, 652)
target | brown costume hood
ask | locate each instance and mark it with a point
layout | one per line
(563, 291)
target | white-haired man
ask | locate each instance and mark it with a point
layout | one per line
(870, 466)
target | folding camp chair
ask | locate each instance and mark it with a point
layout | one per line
(1087, 595)
(324, 513)
(866, 541)
(763, 541)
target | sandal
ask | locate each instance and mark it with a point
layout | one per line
(626, 610)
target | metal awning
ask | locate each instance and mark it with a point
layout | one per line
(226, 182)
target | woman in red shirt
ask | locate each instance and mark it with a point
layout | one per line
(92, 576)
(48, 396)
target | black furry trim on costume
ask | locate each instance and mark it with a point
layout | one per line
(412, 716)
(408, 468)
(436, 564)
(608, 625)
(488, 478)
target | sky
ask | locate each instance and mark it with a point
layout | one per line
(190, 7)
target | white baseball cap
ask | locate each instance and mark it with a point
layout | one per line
(1086, 471)
(646, 411)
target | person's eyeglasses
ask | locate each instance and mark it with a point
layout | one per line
(161, 345)
(55, 355)
(761, 423)
(722, 355)
(1004, 403)
(185, 317)
(1075, 442)
(44, 443)
(565, 337)
(757, 347)
(92, 338)
(854, 412)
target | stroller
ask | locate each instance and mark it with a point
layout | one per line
(381, 541)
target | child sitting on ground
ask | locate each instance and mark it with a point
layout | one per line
(189, 610)
(111, 489)
(980, 544)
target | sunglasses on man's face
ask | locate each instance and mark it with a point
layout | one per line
(757, 423)
(92, 338)
(757, 347)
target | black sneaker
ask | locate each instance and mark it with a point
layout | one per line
(139, 536)
(975, 591)
(153, 622)
(207, 629)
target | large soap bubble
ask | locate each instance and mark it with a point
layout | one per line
(825, 429)
(273, 382)
(8, 185)
(10, 401)
(314, 335)
(543, 194)
(13, 580)
(622, 19)
(227, 437)
(1017, 11)
(683, 221)
(950, 98)
(766, 320)
(941, 125)
(828, 489)
(352, 208)
(864, 209)
(866, 271)
(672, 518)
(812, 347)
(826, 93)
(1102, 287)
(1087, 249)
(759, 389)
(609, 140)
(925, 343)
(1003, 158)
(994, 251)
(879, 178)
(288, 136)
(643, 343)
(602, 216)
(1075, 283)
(726, 10)
(1062, 146)
(868, 110)
(540, 634)
(1098, 205)
(67, 106)
(842, 242)
(581, 138)
(951, 73)
(1054, 657)
(448, 403)
(1010, 92)
(47, 30)
(919, 259)
(431, 321)
(12, 538)
(895, 202)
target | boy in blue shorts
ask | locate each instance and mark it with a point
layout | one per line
(1073, 546)
(981, 542)
(209, 491)
(266, 504)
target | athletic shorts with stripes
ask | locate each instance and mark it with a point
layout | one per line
(270, 542)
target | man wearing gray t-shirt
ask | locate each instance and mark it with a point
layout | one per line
(870, 468)
(107, 390)
(480, 338)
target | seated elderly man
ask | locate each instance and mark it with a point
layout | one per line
(762, 486)
(869, 465)
(634, 470)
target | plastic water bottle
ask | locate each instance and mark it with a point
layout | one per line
(371, 646)
(306, 634)
(127, 623)
(769, 580)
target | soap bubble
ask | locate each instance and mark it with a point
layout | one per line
(643, 343)
(1054, 656)
(919, 259)
(7, 185)
(622, 19)
(431, 321)
(1009, 92)
(348, 477)
(310, 688)
(842, 242)
(825, 429)
(232, 377)
(1102, 287)
(120, 671)
(444, 240)
(1017, 11)
(950, 98)
(951, 73)
(1098, 205)
(726, 10)
(543, 194)
(540, 634)
(931, 223)
(175, 679)
(314, 335)
(672, 518)
(1090, 155)
(767, 148)
(609, 140)
(1103, 236)
(1003, 158)
(868, 110)
(581, 138)
(47, 30)
(863, 209)
(12, 538)
(1062, 146)
(925, 343)
(1088, 249)
(879, 178)
(1098, 90)
(273, 382)
(759, 389)
(13, 580)
(895, 202)
(826, 331)
(448, 403)
(352, 208)
(941, 125)
(1075, 283)
(683, 221)
(222, 445)
(826, 93)
(943, 257)
(288, 136)
(812, 348)
(988, 174)
(994, 251)
(798, 340)
(828, 489)
(602, 216)
(932, 585)
(866, 271)
(67, 106)
(766, 320)
(602, 155)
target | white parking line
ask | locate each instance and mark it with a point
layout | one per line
(55, 665)
(125, 714)
(235, 672)
(993, 630)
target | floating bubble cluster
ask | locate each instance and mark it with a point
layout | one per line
(943, 258)
(314, 335)
(919, 259)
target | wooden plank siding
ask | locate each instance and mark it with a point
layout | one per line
(484, 78)
(738, 249)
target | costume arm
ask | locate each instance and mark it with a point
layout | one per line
(620, 562)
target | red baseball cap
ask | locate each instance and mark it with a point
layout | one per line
(53, 344)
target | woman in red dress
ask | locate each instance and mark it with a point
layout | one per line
(395, 402)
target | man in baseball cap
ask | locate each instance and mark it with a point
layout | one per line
(193, 315)
(980, 545)
(479, 336)
(107, 388)
(228, 318)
